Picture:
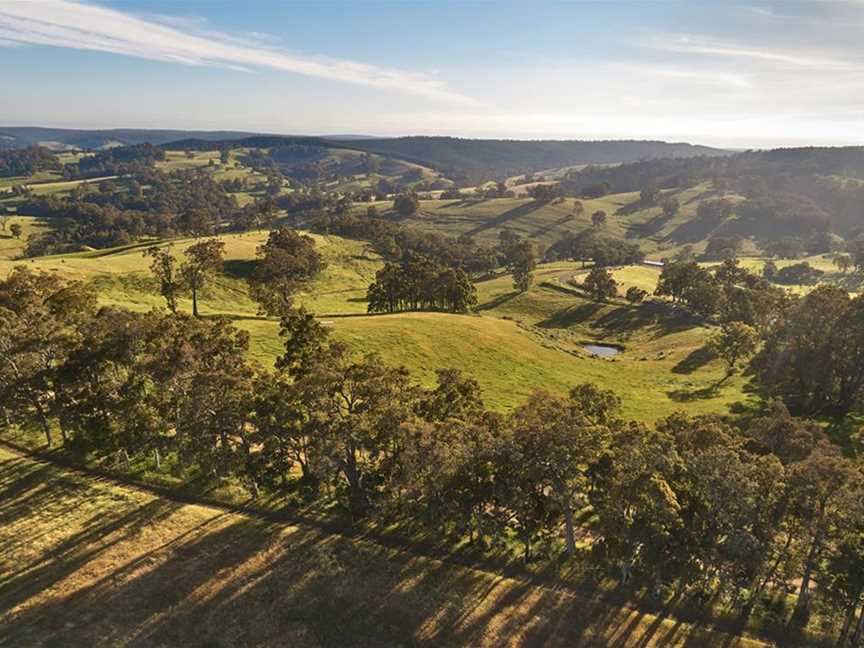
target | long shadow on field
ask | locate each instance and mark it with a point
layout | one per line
(695, 230)
(695, 360)
(690, 395)
(498, 301)
(196, 577)
(551, 226)
(623, 320)
(629, 208)
(32, 494)
(510, 214)
(632, 318)
(650, 227)
(239, 268)
(572, 316)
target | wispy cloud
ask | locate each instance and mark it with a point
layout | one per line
(712, 47)
(696, 76)
(64, 23)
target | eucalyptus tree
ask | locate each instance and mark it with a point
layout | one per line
(203, 259)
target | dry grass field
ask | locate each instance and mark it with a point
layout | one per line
(87, 562)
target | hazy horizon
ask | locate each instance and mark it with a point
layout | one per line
(737, 75)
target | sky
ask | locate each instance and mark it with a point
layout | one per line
(722, 72)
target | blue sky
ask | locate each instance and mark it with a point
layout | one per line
(723, 72)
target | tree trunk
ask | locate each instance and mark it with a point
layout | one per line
(568, 522)
(847, 623)
(802, 605)
(194, 301)
(43, 421)
(353, 477)
(157, 458)
(747, 609)
(223, 442)
(859, 627)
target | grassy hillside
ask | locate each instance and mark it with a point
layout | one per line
(11, 247)
(512, 345)
(86, 562)
(549, 222)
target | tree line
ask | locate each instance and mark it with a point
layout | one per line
(812, 345)
(122, 211)
(421, 283)
(690, 507)
(27, 161)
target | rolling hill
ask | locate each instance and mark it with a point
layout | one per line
(507, 157)
(512, 345)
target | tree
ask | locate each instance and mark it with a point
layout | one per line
(600, 284)
(554, 442)
(811, 357)
(521, 263)
(598, 218)
(109, 402)
(734, 341)
(16, 230)
(820, 488)
(305, 339)
(164, 269)
(281, 429)
(650, 193)
(638, 511)
(670, 206)
(454, 397)
(578, 208)
(856, 251)
(285, 262)
(359, 408)
(685, 254)
(420, 283)
(798, 273)
(406, 204)
(42, 319)
(603, 250)
(723, 246)
(203, 259)
(769, 271)
(635, 295)
(545, 193)
(679, 278)
(450, 474)
(788, 247)
(4, 219)
(214, 400)
(843, 262)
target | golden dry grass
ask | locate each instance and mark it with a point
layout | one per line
(86, 562)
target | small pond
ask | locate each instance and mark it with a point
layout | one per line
(602, 350)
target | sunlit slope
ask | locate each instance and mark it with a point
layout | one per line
(516, 343)
(513, 344)
(548, 222)
(122, 277)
